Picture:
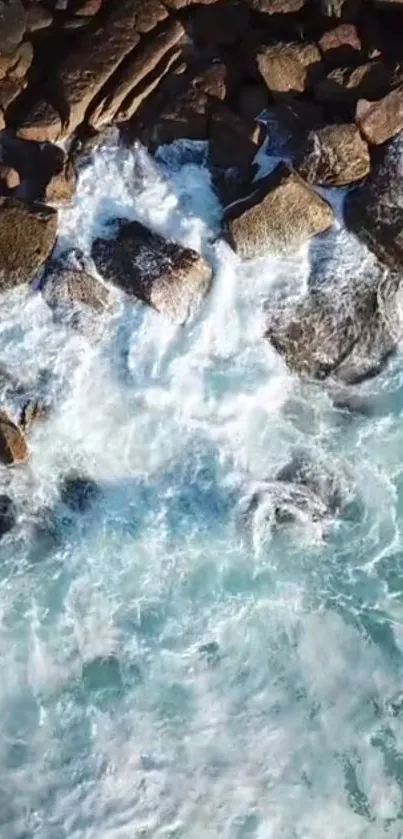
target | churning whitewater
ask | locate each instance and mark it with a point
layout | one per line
(211, 649)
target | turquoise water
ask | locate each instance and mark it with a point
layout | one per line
(171, 666)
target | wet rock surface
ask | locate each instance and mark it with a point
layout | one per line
(171, 278)
(335, 155)
(13, 447)
(27, 236)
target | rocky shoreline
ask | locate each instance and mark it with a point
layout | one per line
(329, 73)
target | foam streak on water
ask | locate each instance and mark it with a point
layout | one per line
(113, 723)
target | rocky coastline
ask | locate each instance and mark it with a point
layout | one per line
(330, 75)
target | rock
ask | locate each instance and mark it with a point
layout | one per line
(335, 156)
(341, 46)
(32, 412)
(374, 211)
(60, 188)
(79, 492)
(27, 236)
(280, 213)
(10, 89)
(169, 277)
(232, 142)
(289, 69)
(276, 7)
(9, 176)
(215, 81)
(346, 86)
(38, 18)
(66, 286)
(13, 448)
(42, 123)
(380, 121)
(186, 116)
(88, 8)
(346, 332)
(23, 59)
(289, 124)
(131, 82)
(12, 25)
(8, 514)
(85, 71)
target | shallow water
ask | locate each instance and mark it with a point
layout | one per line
(169, 669)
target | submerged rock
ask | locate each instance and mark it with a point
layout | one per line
(32, 412)
(79, 492)
(169, 277)
(348, 332)
(27, 236)
(280, 213)
(13, 447)
(8, 515)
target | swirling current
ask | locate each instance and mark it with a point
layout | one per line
(199, 654)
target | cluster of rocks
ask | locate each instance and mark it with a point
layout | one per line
(328, 72)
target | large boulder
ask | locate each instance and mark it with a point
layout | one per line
(27, 236)
(335, 156)
(169, 277)
(347, 332)
(13, 448)
(374, 211)
(381, 120)
(280, 213)
(289, 69)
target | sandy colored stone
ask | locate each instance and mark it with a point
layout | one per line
(335, 155)
(381, 120)
(27, 236)
(289, 68)
(13, 447)
(280, 213)
(41, 124)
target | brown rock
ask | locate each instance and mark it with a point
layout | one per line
(185, 116)
(13, 448)
(27, 236)
(346, 86)
(143, 62)
(12, 25)
(24, 57)
(215, 81)
(171, 278)
(85, 71)
(61, 186)
(38, 18)
(289, 68)
(232, 141)
(379, 121)
(9, 176)
(335, 156)
(9, 90)
(41, 124)
(89, 7)
(276, 7)
(280, 213)
(341, 46)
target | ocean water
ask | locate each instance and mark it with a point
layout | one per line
(173, 664)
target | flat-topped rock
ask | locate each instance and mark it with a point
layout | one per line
(171, 278)
(27, 236)
(280, 213)
(381, 120)
(335, 155)
(289, 69)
